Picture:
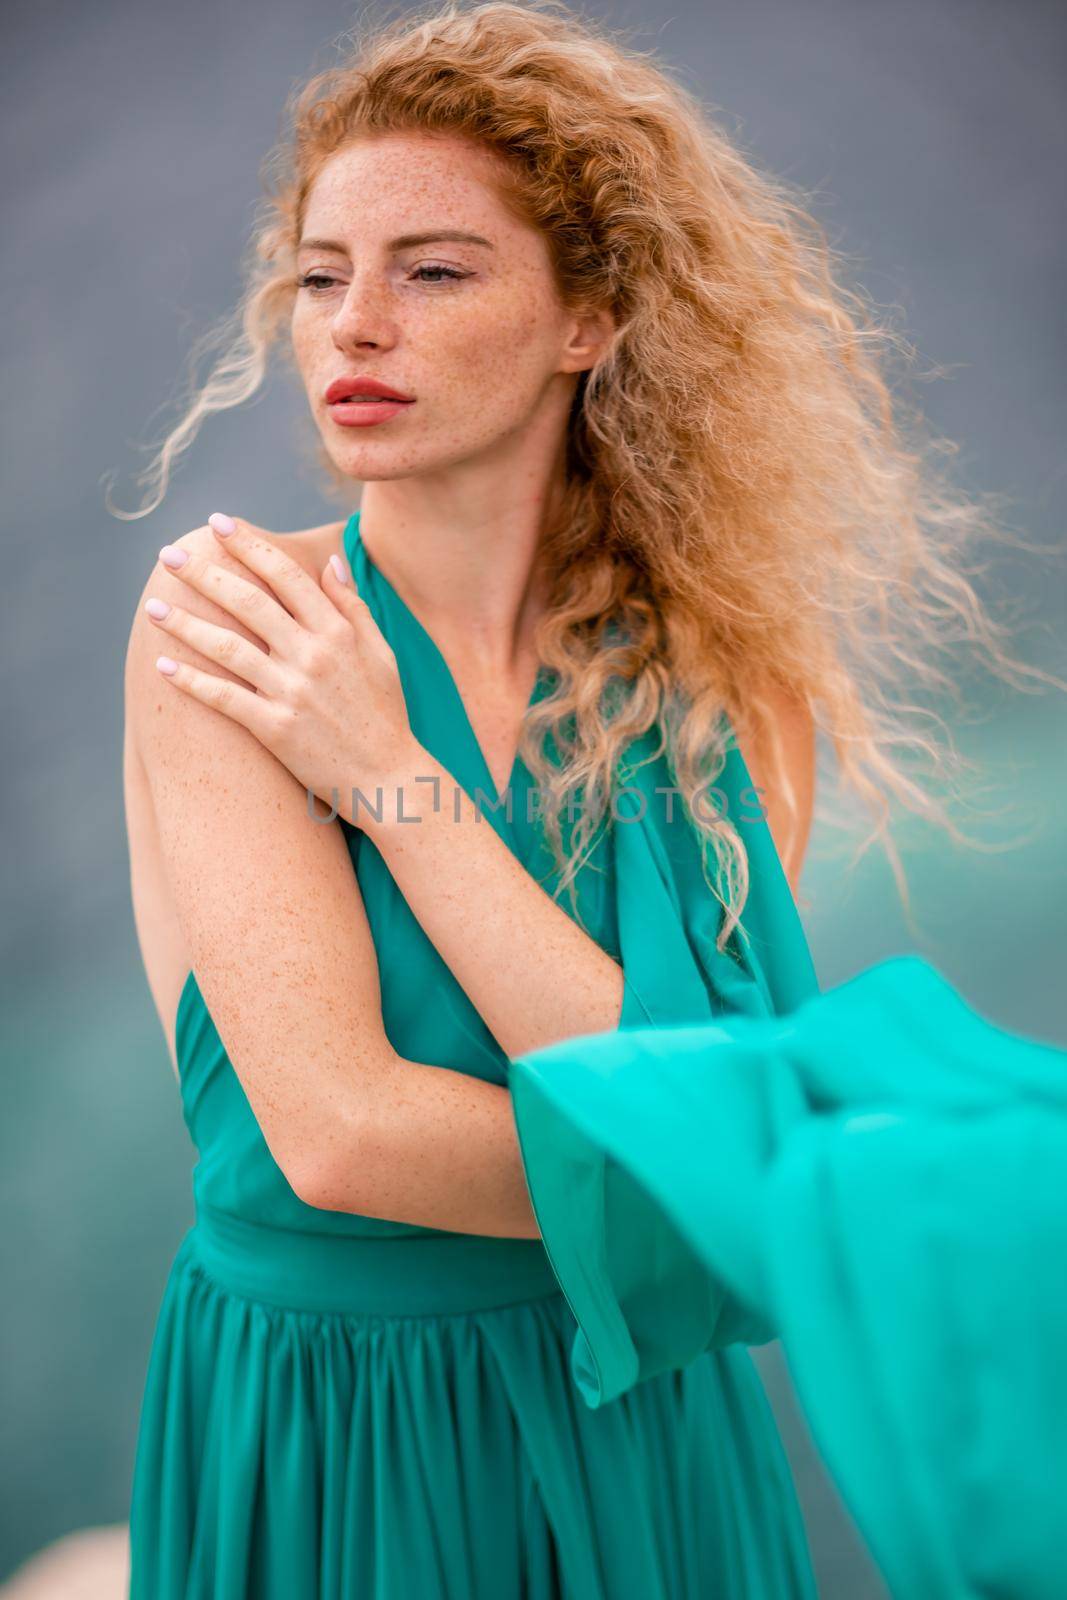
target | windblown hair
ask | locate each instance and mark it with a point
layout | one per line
(745, 515)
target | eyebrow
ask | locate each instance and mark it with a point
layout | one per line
(404, 241)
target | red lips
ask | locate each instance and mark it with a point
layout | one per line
(345, 388)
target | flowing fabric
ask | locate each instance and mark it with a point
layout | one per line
(339, 1405)
(879, 1178)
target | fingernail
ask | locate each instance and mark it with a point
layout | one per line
(172, 556)
(165, 664)
(338, 566)
(156, 608)
(221, 522)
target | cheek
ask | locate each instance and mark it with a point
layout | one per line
(500, 356)
(300, 337)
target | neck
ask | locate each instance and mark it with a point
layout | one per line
(473, 584)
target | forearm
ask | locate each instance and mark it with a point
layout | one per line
(437, 1148)
(528, 968)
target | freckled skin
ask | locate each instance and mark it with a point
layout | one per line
(453, 501)
(455, 486)
(454, 495)
(492, 358)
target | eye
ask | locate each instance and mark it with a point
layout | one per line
(449, 272)
(319, 282)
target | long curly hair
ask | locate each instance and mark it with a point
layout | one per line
(748, 512)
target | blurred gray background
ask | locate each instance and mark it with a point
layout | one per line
(933, 132)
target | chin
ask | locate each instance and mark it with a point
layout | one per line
(361, 469)
(362, 459)
(389, 460)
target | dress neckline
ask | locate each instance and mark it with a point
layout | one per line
(352, 542)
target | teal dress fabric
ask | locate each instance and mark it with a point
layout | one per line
(878, 1178)
(339, 1405)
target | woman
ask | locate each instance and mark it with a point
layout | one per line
(587, 580)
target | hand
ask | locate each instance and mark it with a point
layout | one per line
(326, 700)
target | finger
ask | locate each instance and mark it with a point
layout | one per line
(291, 582)
(229, 649)
(252, 711)
(340, 584)
(256, 607)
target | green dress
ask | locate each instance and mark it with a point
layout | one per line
(878, 1178)
(338, 1405)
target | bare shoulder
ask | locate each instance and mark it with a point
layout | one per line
(780, 754)
(311, 547)
(237, 880)
(176, 750)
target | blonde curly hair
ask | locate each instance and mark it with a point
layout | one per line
(747, 513)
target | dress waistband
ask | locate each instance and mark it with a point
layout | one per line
(415, 1274)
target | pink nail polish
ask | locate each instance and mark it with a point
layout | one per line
(221, 522)
(172, 555)
(165, 664)
(156, 608)
(338, 567)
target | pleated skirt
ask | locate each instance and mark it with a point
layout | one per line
(331, 1448)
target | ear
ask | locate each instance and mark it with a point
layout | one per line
(591, 334)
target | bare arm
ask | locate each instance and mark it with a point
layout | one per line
(269, 903)
(272, 915)
(529, 969)
(532, 974)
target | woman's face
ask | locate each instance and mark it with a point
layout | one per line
(473, 331)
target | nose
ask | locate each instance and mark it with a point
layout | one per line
(363, 317)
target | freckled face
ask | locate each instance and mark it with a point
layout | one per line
(474, 331)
